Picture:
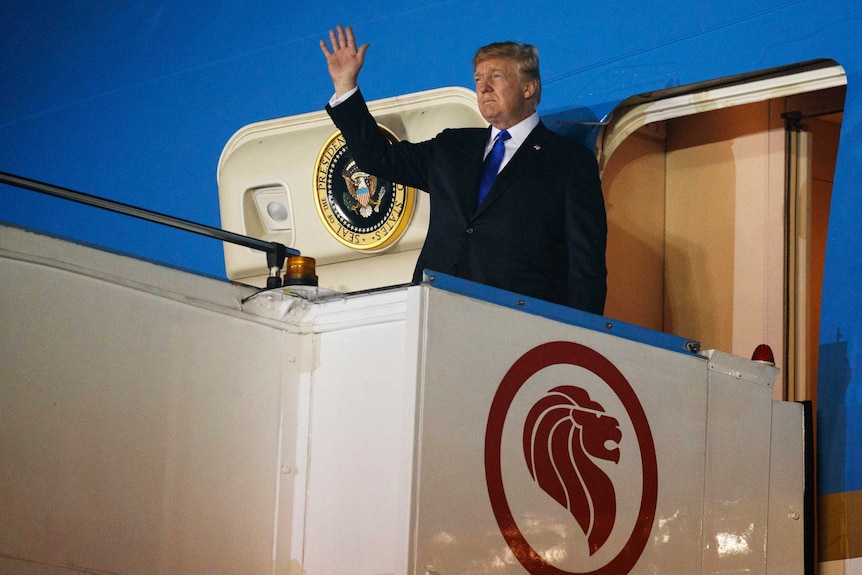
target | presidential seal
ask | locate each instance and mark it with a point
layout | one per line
(360, 210)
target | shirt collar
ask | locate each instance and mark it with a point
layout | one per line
(519, 131)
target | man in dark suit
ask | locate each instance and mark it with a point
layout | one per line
(540, 230)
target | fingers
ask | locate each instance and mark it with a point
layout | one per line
(351, 42)
(339, 38)
(343, 59)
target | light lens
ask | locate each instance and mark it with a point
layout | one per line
(276, 211)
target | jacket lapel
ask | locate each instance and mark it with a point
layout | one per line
(523, 159)
(473, 173)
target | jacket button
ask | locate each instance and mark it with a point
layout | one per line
(469, 230)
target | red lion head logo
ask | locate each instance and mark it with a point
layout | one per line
(569, 441)
(564, 433)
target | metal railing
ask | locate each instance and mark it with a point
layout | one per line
(276, 253)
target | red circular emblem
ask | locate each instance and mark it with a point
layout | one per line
(573, 417)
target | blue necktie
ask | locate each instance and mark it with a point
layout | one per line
(492, 165)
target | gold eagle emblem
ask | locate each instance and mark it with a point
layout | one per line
(362, 188)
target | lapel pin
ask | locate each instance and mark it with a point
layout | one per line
(537, 147)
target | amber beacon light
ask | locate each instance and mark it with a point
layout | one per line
(300, 270)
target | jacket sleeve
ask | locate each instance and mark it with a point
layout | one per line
(402, 162)
(586, 235)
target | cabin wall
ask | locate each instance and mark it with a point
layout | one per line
(634, 187)
(694, 230)
(719, 234)
(701, 200)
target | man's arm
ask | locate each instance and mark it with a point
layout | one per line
(586, 231)
(402, 162)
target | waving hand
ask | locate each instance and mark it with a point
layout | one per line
(344, 60)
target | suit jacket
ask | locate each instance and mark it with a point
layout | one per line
(540, 232)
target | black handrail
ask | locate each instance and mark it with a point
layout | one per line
(275, 252)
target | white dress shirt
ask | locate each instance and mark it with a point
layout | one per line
(518, 133)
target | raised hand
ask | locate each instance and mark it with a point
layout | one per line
(344, 60)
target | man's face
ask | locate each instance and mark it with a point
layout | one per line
(504, 100)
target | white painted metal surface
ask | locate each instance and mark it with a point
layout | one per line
(156, 422)
(710, 420)
(140, 417)
(360, 437)
(783, 552)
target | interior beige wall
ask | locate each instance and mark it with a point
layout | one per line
(696, 225)
(633, 183)
(672, 214)
(716, 230)
(699, 236)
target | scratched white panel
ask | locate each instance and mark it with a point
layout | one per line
(786, 487)
(139, 432)
(470, 347)
(360, 439)
(736, 498)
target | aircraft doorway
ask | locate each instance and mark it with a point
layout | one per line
(718, 203)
